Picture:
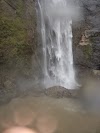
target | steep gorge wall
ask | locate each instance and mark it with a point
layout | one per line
(18, 33)
(19, 43)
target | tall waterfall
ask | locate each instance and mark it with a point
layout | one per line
(56, 33)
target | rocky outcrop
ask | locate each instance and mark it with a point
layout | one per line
(90, 29)
(60, 92)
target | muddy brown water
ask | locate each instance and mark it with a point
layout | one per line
(47, 115)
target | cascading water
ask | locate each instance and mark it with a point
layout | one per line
(56, 32)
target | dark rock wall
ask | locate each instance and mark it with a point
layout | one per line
(87, 43)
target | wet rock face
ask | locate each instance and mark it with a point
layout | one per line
(90, 28)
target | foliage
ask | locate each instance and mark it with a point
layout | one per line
(13, 37)
(87, 50)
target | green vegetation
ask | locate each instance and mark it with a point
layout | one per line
(87, 50)
(13, 38)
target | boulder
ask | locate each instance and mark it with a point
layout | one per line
(60, 92)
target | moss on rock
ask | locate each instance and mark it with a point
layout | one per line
(87, 50)
(13, 36)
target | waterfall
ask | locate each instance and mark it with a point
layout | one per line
(56, 34)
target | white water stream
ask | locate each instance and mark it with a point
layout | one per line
(56, 32)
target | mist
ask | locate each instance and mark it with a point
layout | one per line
(71, 10)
